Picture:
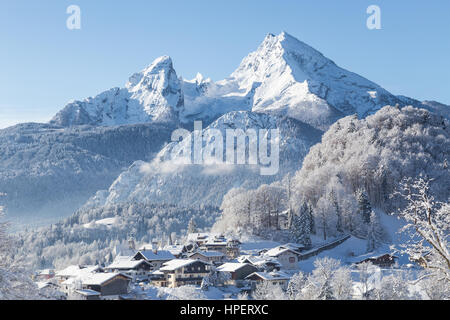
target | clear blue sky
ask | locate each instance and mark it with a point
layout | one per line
(43, 65)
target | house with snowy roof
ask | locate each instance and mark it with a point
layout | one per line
(138, 270)
(237, 271)
(295, 247)
(214, 257)
(197, 238)
(86, 294)
(109, 285)
(262, 263)
(156, 258)
(272, 278)
(288, 258)
(75, 271)
(45, 274)
(181, 272)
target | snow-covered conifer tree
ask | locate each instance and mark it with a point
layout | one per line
(375, 233)
(192, 228)
(295, 286)
(334, 201)
(329, 280)
(364, 207)
(300, 227)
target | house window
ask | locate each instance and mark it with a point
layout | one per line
(291, 260)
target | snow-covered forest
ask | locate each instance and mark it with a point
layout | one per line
(80, 240)
(358, 166)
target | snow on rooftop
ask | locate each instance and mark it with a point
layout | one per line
(278, 250)
(258, 260)
(87, 292)
(98, 278)
(43, 285)
(231, 267)
(123, 258)
(209, 253)
(197, 236)
(176, 264)
(151, 255)
(48, 272)
(174, 249)
(271, 276)
(75, 270)
(125, 264)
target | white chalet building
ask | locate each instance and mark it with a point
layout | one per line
(288, 258)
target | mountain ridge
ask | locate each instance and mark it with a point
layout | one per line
(284, 76)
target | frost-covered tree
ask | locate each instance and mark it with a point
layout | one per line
(328, 281)
(183, 293)
(391, 287)
(287, 181)
(364, 207)
(300, 227)
(215, 279)
(375, 233)
(268, 291)
(192, 228)
(342, 284)
(237, 212)
(337, 209)
(242, 296)
(15, 281)
(312, 226)
(325, 217)
(434, 288)
(367, 274)
(428, 224)
(295, 286)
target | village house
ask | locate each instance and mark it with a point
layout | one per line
(384, 261)
(156, 258)
(181, 272)
(295, 247)
(50, 290)
(86, 295)
(262, 263)
(288, 258)
(214, 257)
(109, 285)
(272, 278)
(220, 246)
(138, 270)
(238, 271)
(75, 271)
(198, 238)
(45, 274)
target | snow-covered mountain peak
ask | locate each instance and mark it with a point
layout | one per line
(160, 65)
(291, 78)
(277, 55)
(152, 95)
(158, 90)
